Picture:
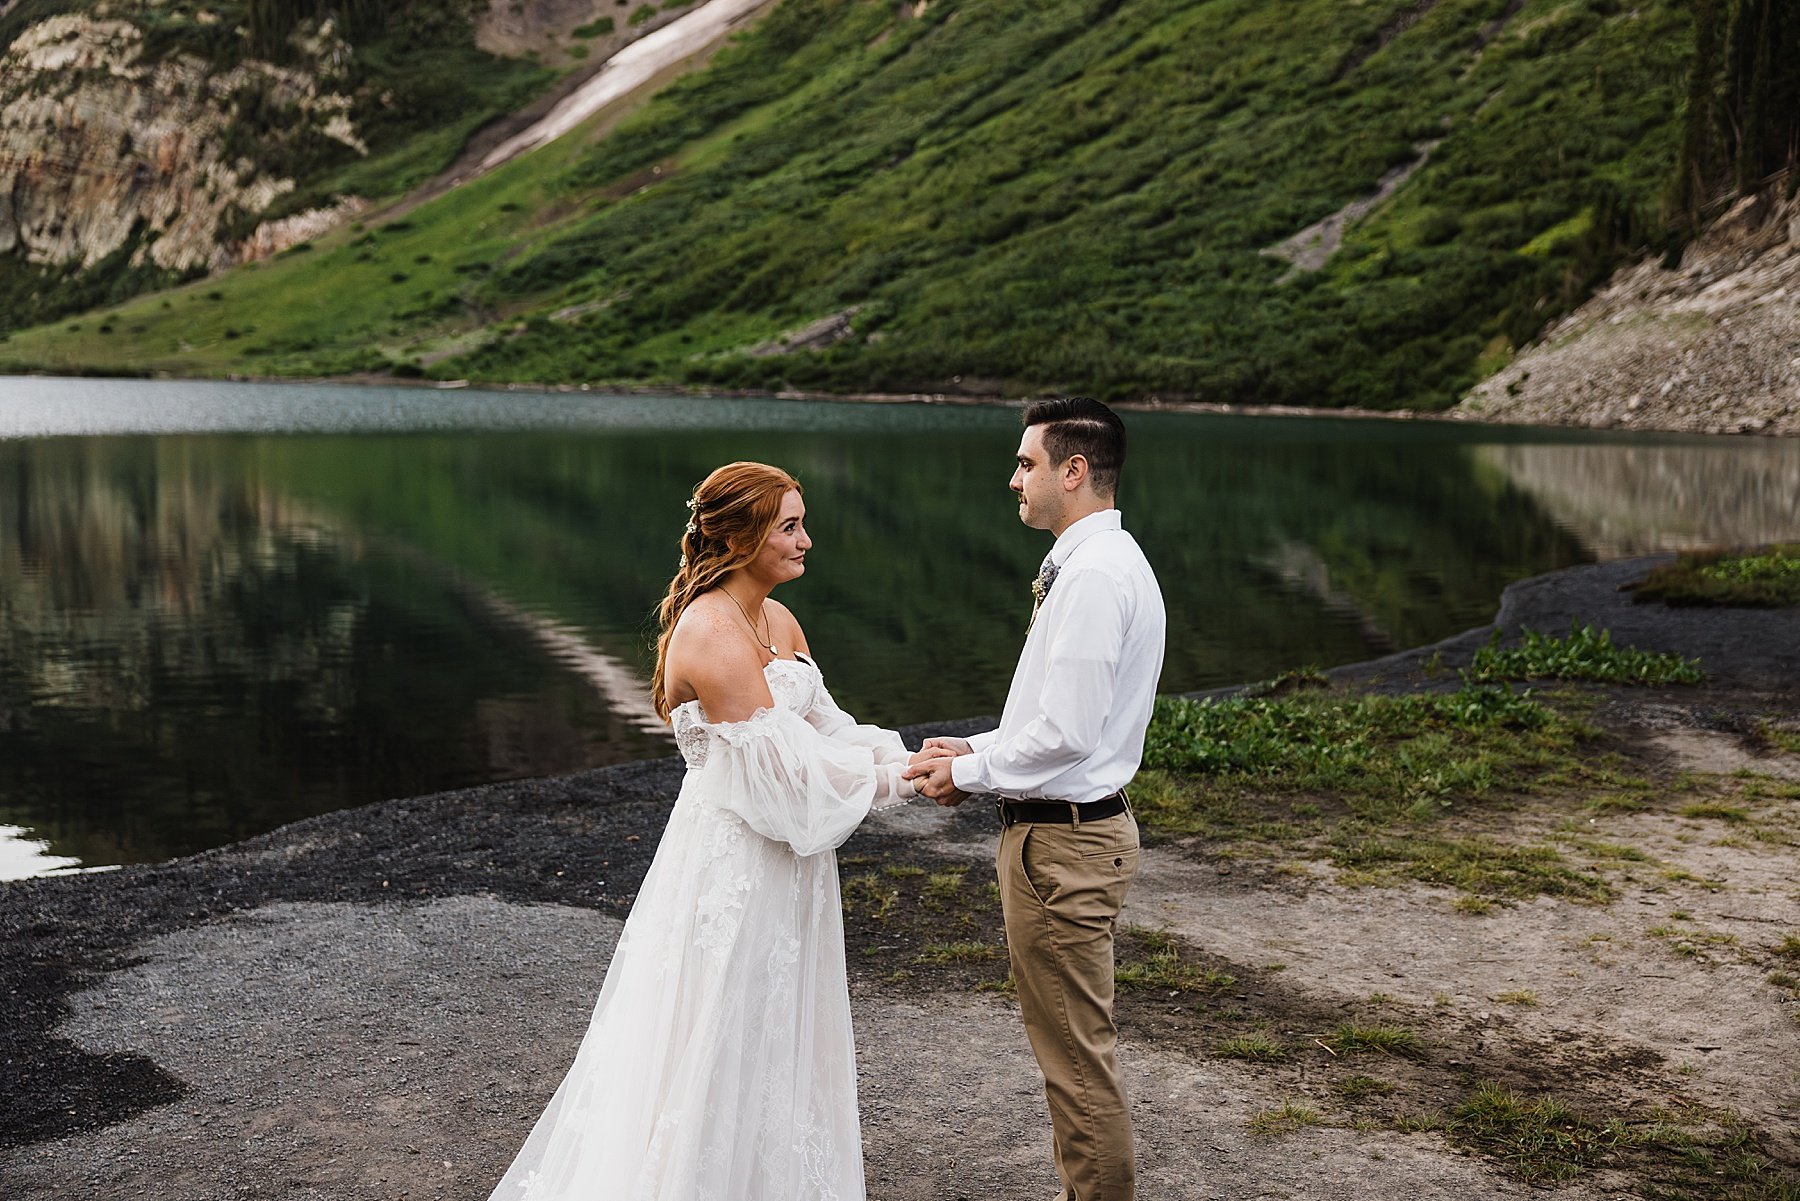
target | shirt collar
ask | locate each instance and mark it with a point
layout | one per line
(1081, 531)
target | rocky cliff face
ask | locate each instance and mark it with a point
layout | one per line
(101, 145)
(1712, 345)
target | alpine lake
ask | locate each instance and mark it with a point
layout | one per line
(228, 606)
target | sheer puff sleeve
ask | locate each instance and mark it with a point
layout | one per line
(792, 783)
(837, 725)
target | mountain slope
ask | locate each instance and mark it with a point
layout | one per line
(146, 143)
(1009, 196)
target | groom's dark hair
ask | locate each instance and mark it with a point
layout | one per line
(1081, 425)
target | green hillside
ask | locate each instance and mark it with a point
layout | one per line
(1053, 194)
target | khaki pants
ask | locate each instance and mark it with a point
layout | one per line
(1061, 887)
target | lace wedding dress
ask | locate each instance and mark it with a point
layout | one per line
(719, 1063)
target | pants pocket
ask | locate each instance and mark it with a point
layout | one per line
(1040, 883)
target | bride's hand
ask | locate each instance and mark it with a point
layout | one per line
(930, 774)
(951, 746)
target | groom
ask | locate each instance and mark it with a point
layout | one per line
(1069, 741)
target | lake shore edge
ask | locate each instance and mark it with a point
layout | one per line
(521, 849)
(1458, 414)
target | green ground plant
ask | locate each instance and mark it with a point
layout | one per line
(1769, 578)
(1383, 756)
(959, 952)
(1152, 959)
(1358, 1088)
(1586, 654)
(1390, 1040)
(1773, 735)
(1540, 1140)
(1681, 1155)
(1289, 1118)
(1359, 780)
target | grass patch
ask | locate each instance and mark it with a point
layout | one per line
(1519, 996)
(1680, 875)
(1480, 866)
(943, 887)
(1541, 1141)
(1383, 755)
(1288, 1119)
(1361, 1088)
(1691, 944)
(1253, 1048)
(1752, 579)
(1354, 777)
(1777, 738)
(1150, 959)
(1350, 1038)
(1687, 1155)
(1586, 654)
(867, 896)
(1715, 811)
(968, 951)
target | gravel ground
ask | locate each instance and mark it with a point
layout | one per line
(376, 1003)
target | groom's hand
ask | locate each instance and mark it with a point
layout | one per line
(931, 776)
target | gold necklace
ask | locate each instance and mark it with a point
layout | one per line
(768, 642)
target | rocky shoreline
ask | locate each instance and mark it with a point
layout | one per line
(374, 1003)
(1703, 346)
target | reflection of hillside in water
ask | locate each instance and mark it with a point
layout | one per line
(114, 585)
(188, 658)
(1627, 500)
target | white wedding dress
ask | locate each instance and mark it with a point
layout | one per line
(719, 1064)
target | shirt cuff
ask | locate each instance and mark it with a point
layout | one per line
(983, 740)
(968, 772)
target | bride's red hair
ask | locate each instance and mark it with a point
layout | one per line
(734, 509)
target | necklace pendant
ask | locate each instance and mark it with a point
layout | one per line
(772, 650)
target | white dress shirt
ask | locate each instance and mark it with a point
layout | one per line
(1074, 722)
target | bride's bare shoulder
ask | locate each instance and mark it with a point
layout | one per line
(710, 657)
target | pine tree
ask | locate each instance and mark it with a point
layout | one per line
(1743, 118)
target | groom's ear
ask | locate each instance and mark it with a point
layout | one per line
(1075, 472)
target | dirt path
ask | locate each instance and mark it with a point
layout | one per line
(375, 1004)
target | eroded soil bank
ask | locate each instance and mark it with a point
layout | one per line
(376, 1003)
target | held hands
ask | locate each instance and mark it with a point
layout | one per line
(929, 770)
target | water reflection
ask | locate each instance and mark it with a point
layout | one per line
(205, 636)
(1631, 500)
(189, 657)
(22, 856)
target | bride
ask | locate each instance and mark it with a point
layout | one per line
(719, 1063)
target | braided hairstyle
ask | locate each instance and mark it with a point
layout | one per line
(734, 509)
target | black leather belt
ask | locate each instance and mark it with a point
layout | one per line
(1062, 812)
